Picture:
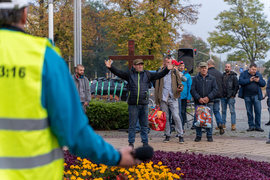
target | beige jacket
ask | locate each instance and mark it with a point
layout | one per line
(176, 82)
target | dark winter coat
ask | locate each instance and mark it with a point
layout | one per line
(231, 87)
(204, 87)
(138, 83)
(244, 80)
(218, 75)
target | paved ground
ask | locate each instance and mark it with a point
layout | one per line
(239, 143)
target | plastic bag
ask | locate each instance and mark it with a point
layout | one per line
(203, 116)
(157, 120)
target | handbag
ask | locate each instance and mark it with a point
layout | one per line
(203, 116)
(157, 120)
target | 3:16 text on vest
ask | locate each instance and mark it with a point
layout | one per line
(12, 72)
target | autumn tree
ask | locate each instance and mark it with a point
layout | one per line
(95, 44)
(243, 31)
(153, 24)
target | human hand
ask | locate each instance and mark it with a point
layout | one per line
(108, 63)
(256, 79)
(127, 159)
(201, 101)
(85, 104)
(206, 100)
(180, 88)
(170, 66)
(252, 78)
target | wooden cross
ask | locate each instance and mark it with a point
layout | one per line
(131, 57)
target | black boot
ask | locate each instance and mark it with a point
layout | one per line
(267, 124)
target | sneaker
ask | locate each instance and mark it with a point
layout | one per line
(221, 130)
(233, 127)
(177, 136)
(250, 129)
(259, 129)
(193, 127)
(268, 142)
(198, 139)
(217, 128)
(181, 140)
(267, 124)
(209, 139)
(224, 126)
(145, 144)
(131, 144)
(167, 139)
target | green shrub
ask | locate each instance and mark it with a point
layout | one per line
(106, 116)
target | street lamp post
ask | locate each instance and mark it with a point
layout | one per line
(51, 20)
(77, 33)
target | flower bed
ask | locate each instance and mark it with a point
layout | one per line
(200, 166)
(83, 169)
(167, 165)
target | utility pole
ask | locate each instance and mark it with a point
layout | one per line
(51, 20)
(77, 32)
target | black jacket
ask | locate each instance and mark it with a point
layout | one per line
(230, 86)
(203, 87)
(138, 83)
(218, 75)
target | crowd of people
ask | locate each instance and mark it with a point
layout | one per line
(209, 88)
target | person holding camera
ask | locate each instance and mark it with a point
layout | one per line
(251, 83)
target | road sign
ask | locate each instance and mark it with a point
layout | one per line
(241, 69)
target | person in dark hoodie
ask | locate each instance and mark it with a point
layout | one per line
(139, 81)
(230, 88)
(218, 75)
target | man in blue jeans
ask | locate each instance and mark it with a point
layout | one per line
(204, 89)
(218, 75)
(139, 82)
(230, 88)
(251, 83)
(268, 104)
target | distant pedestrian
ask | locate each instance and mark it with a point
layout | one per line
(268, 99)
(139, 81)
(216, 108)
(167, 92)
(230, 89)
(251, 83)
(185, 94)
(204, 89)
(82, 85)
(268, 104)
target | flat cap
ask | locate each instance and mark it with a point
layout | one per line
(138, 61)
(203, 64)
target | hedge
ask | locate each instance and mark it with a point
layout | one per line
(107, 116)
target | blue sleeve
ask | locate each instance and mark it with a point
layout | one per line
(189, 83)
(242, 80)
(261, 82)
(268, 88)
(66, 117)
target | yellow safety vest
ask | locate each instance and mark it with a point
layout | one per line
(28, 148)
